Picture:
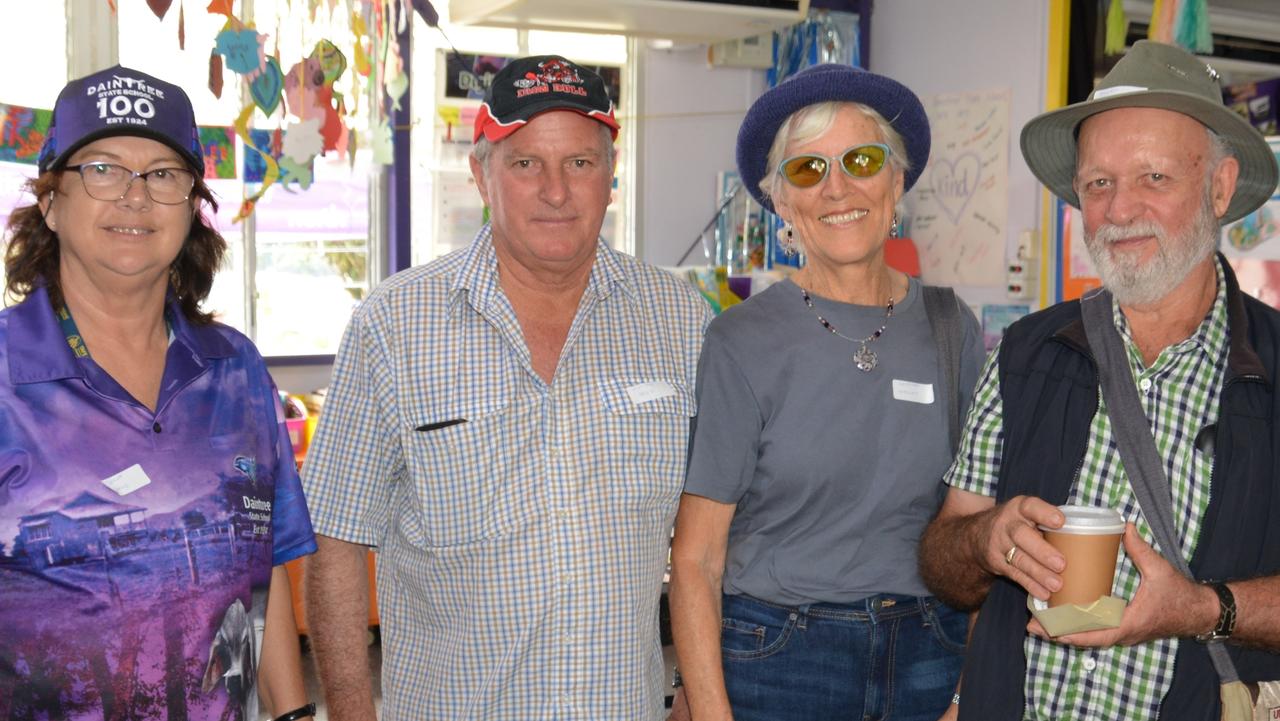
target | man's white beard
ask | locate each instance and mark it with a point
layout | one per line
(1137, 283)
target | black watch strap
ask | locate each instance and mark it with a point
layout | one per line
(1226, 614)
(298, 713)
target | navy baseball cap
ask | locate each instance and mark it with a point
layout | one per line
(528, 86)
(121, 101)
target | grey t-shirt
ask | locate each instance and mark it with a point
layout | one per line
(835, 471)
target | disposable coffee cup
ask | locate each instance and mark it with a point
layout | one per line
(1089, 540)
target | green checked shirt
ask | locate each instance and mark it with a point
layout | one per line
(1179, 393)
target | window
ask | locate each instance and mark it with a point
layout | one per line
(39, 533)
(38, 47)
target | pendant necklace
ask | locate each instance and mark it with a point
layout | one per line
(864, 358)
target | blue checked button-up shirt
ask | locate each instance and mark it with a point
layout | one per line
(522, 527)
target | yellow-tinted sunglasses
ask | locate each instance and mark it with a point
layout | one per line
(860, 161)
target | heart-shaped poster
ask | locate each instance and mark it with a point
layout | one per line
(266, 88)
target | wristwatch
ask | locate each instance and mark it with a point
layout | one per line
(1226, 614)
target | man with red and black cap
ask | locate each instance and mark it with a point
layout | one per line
(508, 425)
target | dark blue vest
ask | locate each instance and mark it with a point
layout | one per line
(1049, 390)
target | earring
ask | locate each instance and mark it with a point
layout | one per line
(787, 239)
(893, 229)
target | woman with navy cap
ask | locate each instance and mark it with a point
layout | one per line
(826, 408)
(148, 492)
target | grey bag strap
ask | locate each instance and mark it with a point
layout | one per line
(1137, 447)
(942, 307)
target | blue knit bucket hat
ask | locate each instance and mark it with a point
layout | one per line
(827, 83)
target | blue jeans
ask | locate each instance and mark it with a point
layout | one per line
(885, 657)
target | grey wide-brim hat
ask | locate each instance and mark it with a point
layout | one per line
(1153, 75)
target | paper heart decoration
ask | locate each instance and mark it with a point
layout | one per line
(954, 183)
(265, 89)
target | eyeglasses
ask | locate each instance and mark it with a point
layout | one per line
(860, 161)
(108, 181)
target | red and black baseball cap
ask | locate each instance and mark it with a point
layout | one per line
(532, 85)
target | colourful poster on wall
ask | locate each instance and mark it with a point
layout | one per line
(22, 132)
(219, 152)
(960, 205)
(1257, 235)
(1078, 273)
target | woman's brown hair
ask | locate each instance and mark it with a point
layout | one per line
(31, 256)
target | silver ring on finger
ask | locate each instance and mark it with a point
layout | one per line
(1008, 557)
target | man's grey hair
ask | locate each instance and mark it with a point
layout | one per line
(1219, 149)
(484, 148)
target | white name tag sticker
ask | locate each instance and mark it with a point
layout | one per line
(913, 392)
(128, 480)
(651, 391)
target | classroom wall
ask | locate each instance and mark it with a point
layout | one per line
(943, 47)
(691, 116)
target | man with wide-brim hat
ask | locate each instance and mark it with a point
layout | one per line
(1156, 164)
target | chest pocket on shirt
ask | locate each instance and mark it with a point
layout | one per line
(474, 480)
(646, 439)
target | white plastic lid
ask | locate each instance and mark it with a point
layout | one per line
(1089, 521)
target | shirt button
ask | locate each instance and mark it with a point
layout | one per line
(1145, 384)
(155, 427)
(567, 578)
(1090, 663)
(565, 512)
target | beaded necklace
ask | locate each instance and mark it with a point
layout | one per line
(864, 358)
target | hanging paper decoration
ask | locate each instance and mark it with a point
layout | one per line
(215, 74)
(1182, 22)
(380, 143)
(244, 49)
(268, 142)
(159, 7)
(1161, 27)
(1192, 26)
(302, 88)
(317, 103)
(265, 89)
(269, 176)
(1117, 28)
(361, 59)
(302, 140)
(332, 62)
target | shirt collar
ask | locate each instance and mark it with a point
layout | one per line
(38, 351)
(477, 277)
(1210, 337)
